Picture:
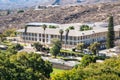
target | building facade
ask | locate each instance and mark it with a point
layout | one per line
(35, 33)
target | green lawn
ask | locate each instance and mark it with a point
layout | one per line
(8, 43)
(55, 71)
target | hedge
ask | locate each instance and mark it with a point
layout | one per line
(72, 53)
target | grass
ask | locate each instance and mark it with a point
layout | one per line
(68, 52)
(8, 43)
(56, 71)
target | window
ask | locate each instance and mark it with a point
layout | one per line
(47, 35)
(40, 39)
(74, 43)
(51, 36)
(39, 35)
(32, 39)
(47, 40)
(35, 34)
(70, 43)
(32, 34)
(35, 39)
(43, 35)
(70, 37)
(26, 38)
(29, 34)
(29, 38)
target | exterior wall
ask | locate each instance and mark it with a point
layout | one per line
(72, 40)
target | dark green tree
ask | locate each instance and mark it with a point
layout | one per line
(55, 50)
(110, 34)
(38, 46)
(24, 66)
(56, 46)
(56, 42)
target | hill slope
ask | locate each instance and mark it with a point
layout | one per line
(66, 14)
(11, 4)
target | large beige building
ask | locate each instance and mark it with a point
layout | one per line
(35, 33)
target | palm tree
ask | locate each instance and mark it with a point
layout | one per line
(44, 28)
(66, 36)
(25, 29)
(61, 34)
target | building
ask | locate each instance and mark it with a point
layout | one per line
(35, 33)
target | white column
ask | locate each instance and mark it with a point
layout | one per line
(49, 39)
(37, 37)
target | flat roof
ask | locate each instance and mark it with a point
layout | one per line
(75, 32)
(40, 24)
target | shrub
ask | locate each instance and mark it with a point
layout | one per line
(20, 11)
(85, 28)
(71, 28)
(53, 27)
(70, 53)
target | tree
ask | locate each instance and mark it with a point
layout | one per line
(108, 70)
(2, 37)
(61, 34)
(66, 36)
(56, 46)
(110, 34)
(24, 66)
(38, 46)
(10, 32)
(87, 59)
(44, 28)
(94, 48)
(80, 46)
(13, 49)
(56, 42)
(55, 50)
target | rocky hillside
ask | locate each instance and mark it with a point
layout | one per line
(16, 4)
(64, 14)
(64, 2)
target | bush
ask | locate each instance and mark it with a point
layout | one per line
(87, 59)
(73, 49)
(54, 27)
(71, 28)
(16, 47)
(38, 46)
(85, 28)
(102, 57)
(20, 11)
(70, 53)
(69, 59)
